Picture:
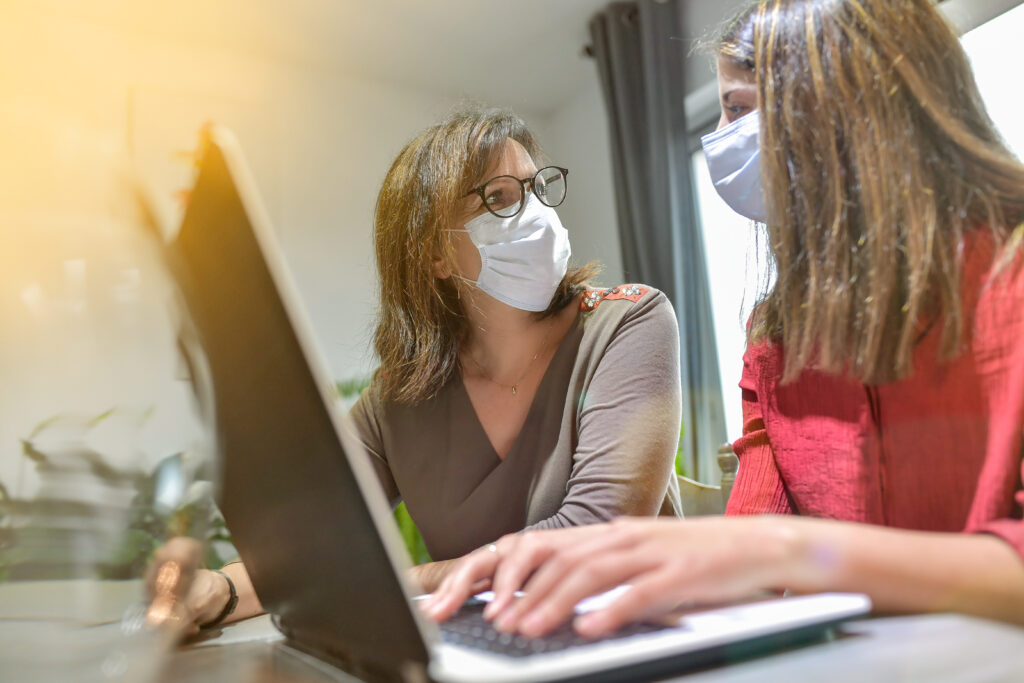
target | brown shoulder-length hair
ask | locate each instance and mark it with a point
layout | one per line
(421, 320)
(878, 156)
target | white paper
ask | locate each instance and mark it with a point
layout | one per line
(254, 629)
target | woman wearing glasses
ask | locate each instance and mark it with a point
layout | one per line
(510, 395)
(883, 382)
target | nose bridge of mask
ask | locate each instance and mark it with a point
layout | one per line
(743, 128)
(732, 147)
(531, 248)
(490, 229)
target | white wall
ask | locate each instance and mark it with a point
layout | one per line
(341, 136)
(319, 142)
(319, 138)
(576, 136)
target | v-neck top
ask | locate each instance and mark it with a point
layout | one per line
(938, 451)
(598, 441)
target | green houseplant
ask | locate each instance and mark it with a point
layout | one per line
(128, 511)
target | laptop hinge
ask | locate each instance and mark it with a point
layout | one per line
(365, 669)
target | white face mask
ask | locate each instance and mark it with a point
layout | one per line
(522, 258)
(734, 160)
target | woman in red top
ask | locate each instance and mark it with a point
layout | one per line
(883, 384)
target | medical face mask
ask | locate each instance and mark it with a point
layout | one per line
(734, 160)
(522, 258)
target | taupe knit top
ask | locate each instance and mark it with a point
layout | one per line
(599, 439)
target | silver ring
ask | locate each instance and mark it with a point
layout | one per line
(492, 548)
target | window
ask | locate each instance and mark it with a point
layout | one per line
(734, 279)
(991, 50)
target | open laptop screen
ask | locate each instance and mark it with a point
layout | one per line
(282, 446)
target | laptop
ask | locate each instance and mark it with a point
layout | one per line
(310, 519)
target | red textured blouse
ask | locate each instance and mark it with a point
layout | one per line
(939, 451)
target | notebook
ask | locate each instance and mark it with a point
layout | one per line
(311, 522)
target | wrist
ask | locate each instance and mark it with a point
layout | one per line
(786, 553)
(229, 598)
(815, 557)
(430, 574)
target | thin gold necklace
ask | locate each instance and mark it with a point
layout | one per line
(515, 387)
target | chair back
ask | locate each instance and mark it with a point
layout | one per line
(729, 463)
(705, 499)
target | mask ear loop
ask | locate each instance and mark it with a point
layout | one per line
(456, 275)
(452, 274)
(462, 282)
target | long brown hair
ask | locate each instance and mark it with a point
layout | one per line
(878, 156)
(421, 321)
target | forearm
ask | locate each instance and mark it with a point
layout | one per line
(629, 421)
(606, 503)
(569, 516)
(617, 480)
(906, 571)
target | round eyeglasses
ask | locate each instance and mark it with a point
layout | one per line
(503, 195)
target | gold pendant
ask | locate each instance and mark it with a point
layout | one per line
(514, 389)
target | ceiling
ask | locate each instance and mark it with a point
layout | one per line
(528, 52)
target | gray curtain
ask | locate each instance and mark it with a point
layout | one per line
(640, 54)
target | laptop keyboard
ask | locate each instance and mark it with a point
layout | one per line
(468, 628)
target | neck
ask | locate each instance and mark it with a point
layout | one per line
(502, 336)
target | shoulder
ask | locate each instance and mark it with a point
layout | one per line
(993, 275)
(998, 316)
(1005, 271)
(633, 293)
(613, 305)
(392, 415)
(763, 353)
(762, 365)
(367, 404)
(630, 311)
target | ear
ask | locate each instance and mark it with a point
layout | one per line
(440, 269)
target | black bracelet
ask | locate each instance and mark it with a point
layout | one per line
(228, 608)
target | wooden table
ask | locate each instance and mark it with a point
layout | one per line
(942, 647)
